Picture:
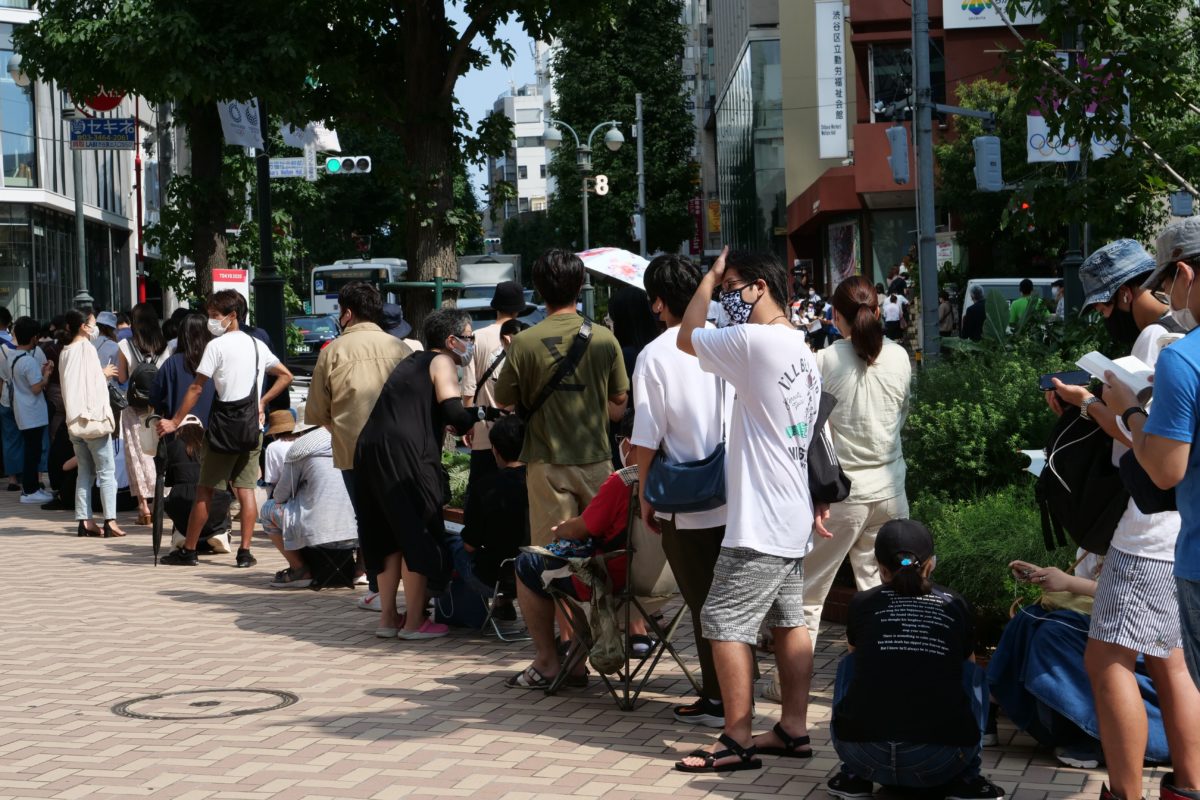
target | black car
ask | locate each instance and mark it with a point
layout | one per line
(317, 331)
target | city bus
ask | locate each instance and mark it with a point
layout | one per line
(329, 279)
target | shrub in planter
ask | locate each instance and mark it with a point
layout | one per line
(458, 468)
(976, 538)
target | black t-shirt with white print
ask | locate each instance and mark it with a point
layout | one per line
(907, 684)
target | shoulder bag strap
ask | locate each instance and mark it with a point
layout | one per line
(12, 378)
(257, 385)
(565, 367)
(495, 365)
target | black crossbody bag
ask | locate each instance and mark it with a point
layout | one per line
(233, 426)
(565, 368)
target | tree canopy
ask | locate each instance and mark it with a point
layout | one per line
(598, 70)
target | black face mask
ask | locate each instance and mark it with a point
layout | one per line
(1122, 327)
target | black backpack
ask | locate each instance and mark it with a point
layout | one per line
(1080, 491)
(141, 379)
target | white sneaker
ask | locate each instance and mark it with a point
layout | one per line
(38, 497)
(362, 580)
(220, 543)
(370, 602)
(178, 540)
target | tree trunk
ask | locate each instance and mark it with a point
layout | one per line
(429, 142)
(211, 207)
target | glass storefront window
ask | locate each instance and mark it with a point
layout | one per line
(16, 3)
(18, 138)
(750, 169)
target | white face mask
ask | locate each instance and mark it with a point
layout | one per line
(1182, 314)
(217, 326)
(93, 332)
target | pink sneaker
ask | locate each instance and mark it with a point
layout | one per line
(428, 630)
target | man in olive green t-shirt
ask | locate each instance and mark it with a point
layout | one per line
(1016, 312)
(566, 440)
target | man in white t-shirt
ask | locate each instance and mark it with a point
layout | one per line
(770, 514)
(229, 362)
(681, 412)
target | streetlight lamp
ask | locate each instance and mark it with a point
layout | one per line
(613, 139)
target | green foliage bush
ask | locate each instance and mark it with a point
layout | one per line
(458, 467)
(976, 538)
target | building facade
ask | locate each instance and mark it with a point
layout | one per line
(38, 273)
(524, 164)
(747, 175)
(845, 213)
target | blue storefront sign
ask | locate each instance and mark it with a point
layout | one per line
(119, 133)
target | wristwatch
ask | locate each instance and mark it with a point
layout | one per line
(481, 414)
(1129, 412)
(1083, 409)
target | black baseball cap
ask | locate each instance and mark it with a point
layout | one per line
(902, 538)
(509, 298)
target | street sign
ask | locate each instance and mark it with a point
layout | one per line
(119, 133)
(287, 168)
(601, 185)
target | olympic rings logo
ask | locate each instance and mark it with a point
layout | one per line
(1049, 145)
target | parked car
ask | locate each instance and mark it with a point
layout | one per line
(481, 312)
(317, 331)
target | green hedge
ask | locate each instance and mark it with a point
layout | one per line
(976, 538)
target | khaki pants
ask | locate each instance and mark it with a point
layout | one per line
(853, 526)
(558, 492)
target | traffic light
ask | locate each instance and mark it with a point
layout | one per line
(989, 177)
(347, 165)
(898, 160)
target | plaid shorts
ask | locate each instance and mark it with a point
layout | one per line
(750, 588)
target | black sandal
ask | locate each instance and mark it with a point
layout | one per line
(791, 745)
(732, 748)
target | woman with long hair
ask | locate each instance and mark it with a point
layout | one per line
(90, 423)
(176, 375)
(870, 377)
(147, 345)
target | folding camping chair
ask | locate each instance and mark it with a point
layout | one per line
(505, 589)
(648, 588)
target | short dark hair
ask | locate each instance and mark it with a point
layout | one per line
(362, 300)
(5, 317)
(25, 330)
(224, 302)
(625, 426)
(761, 266)
(74, 319)
(442, 324)
(558, 277)
(673, 280)
(508, 437)
(1026, 286)
(512, 327)
(123, 317)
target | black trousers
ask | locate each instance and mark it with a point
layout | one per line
(32, 438)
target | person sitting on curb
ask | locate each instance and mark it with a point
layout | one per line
(309, 506)
(926, 734)
(599, 529)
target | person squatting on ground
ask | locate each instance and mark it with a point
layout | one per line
(1135, 611)
(759, 573)
(682, 413)
(236, 363)
(927, 734)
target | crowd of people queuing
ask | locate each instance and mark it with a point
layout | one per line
(562, 418)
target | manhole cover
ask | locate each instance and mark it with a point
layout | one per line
(204, 704)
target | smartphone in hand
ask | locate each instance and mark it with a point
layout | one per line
(1075, 377)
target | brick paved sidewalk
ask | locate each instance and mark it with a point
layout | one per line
(89, 623)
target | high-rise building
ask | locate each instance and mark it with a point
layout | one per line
(747, 124)
(524, 163)
(846, 215)
(38, 274)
